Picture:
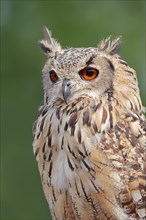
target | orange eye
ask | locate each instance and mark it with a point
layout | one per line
(53, 76)
(89, 73)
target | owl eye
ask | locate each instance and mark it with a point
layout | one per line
(53, 76)
(89, 73)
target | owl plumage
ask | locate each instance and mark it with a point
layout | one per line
(90, 136)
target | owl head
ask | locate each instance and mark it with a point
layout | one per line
(80, 72)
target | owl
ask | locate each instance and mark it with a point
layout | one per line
(90, 136)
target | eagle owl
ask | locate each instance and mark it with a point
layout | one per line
(90, 136)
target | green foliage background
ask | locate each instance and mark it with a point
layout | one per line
(74, 23)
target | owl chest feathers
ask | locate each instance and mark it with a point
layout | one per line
(67, 134)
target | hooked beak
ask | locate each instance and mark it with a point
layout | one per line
(66, 89)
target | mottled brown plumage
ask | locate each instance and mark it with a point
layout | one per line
(90, 136)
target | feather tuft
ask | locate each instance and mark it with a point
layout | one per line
(111, 46)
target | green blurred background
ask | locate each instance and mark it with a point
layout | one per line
(73, 23)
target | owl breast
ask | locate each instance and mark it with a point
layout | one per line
(69, 135)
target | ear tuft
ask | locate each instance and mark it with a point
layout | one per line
(111, 46)
(49, 45)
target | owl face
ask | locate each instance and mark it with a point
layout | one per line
(70, 74)
(77, 72)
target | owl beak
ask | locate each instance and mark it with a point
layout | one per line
(66, 89)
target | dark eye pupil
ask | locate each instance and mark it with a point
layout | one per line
(89, 72)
